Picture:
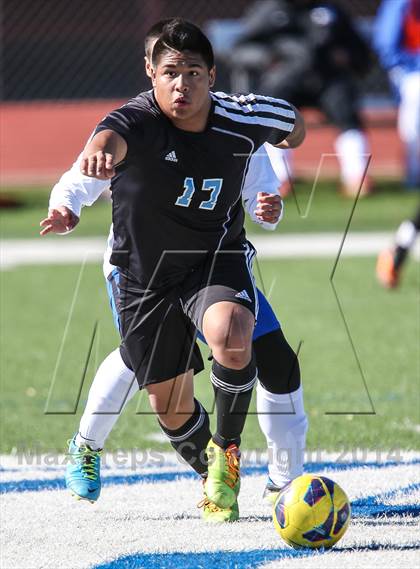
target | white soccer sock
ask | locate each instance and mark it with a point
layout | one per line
(283, 421)
(406, 235)
(113, 386)
(352, 153)
(409, 124)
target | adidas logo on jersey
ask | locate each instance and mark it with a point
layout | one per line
(244, 295)
(171, 157)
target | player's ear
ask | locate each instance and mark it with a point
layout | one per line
(212, 76)
(153, 75)
(148, 66)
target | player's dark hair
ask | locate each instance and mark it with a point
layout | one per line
(180, 35)
(153, 34)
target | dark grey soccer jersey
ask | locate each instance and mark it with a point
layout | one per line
(178, 193)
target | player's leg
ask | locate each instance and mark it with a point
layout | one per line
(223, 310)
(113, 386)
(409, 125)
(159, 344)
(182, 418)
(391, 261)
(227, 328)
(186, 423)
(280, 409)
(338, 100)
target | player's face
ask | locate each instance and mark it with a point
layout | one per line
(182, 82)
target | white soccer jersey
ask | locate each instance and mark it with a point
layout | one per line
(75, 190)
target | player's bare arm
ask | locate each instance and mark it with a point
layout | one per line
(297, 136)
(102, 154)
(60, 220)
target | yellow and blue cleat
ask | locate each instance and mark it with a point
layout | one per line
(83, 477)
(223, 481)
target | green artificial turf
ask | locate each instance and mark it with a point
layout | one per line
(49, 314)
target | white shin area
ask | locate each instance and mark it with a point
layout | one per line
(283, 421)
(113, 386)
(352, 153)
(409, 124)
(406, 235)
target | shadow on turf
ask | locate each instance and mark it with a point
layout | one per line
(231, 559)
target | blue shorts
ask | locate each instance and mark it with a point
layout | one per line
(267, 321)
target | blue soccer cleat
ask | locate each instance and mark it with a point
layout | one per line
(83, 477)
(271, 492)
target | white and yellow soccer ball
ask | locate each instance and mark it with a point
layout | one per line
(311, 511)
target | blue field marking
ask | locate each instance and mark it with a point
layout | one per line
(371, 506)
(38, 485)
(125, 479)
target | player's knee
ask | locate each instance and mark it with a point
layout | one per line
(228, 330)
(231, 359)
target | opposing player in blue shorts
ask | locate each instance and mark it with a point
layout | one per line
(279, 393)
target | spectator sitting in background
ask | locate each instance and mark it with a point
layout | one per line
(397, 42)
(308, 52)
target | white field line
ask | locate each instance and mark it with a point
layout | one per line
(20, 252)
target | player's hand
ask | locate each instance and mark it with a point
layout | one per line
(98, 165)
(268, 207)
(60, 220)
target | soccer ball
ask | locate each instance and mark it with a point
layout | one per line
(311, 511)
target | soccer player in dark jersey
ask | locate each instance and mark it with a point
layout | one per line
(279, 398)
(177, 157)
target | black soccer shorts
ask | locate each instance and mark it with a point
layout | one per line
(159, 326)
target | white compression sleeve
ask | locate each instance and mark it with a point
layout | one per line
(75, 190)
(283, 421)
(113, 386)
(281, 162)
(260, 178)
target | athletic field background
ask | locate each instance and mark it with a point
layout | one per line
(359, 354)
(361, 384)
(359, 345)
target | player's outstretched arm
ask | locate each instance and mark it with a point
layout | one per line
(102, 153)
(297, 136)
(70, 194)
